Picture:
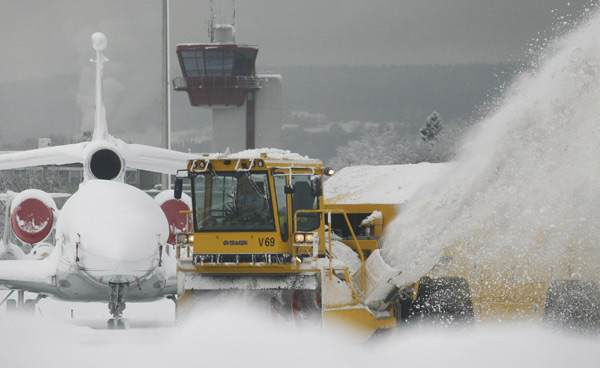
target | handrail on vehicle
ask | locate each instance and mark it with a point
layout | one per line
(358, 248)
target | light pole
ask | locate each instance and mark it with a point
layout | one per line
(166, 93)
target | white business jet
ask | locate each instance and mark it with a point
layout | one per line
(110, 237)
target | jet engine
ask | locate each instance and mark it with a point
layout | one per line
(178, 222)
(103, 161)
(32, 215)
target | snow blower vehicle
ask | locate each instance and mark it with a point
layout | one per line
(260, 225)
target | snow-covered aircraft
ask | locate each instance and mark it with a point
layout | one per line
(110, 237)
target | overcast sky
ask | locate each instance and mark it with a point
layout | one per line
(44, 38)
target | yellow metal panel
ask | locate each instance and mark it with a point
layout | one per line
(358, 318)
(239, 243)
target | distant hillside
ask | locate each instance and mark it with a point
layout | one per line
(319, 100)
(391, 93)
(335, 94)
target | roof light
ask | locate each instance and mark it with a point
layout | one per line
(328, 171)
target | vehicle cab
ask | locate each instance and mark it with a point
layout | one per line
(254, 207)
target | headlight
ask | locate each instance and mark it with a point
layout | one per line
(309, 238)
(299, 238)
(185, 238)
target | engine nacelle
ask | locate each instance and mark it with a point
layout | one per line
(41, 250)
(172, 207)
(32, 215)
(103, 161)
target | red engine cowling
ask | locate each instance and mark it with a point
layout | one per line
(172, 207)
(32, 215)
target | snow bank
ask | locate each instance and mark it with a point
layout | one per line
(236, 335)
(383, 184)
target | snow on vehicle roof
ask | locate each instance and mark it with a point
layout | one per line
(271, 153)
(382, 184)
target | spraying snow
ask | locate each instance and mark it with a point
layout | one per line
(528, 175)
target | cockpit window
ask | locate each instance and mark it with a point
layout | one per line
(237, 201)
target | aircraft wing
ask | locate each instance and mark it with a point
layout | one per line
(58, 155)
(36, 276)
(155, 159)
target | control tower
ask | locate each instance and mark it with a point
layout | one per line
(221, 75)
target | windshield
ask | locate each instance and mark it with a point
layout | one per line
(233, 202)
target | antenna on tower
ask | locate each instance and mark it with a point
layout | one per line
(211, 23)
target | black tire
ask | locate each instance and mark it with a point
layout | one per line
(29, 307)
(112, 324)
(11, 306)
(573, 304)
(443, 300)
(121, 325)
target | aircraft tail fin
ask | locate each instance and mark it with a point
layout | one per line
(99, 43)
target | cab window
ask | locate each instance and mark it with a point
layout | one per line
(303, 199)
(282, 206)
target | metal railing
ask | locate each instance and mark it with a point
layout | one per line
(349, 281)
(181, 83)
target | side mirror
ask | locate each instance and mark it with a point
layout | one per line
(289, 189)
(178, 188)
(316, 186)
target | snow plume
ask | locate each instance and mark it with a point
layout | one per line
(526, 182)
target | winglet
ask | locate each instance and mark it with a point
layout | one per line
(100, 127)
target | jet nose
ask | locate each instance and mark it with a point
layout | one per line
(117, 228)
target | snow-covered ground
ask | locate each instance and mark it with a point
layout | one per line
(235, 335)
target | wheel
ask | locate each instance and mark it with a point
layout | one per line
(573, 304)
(443, 300)
(121, 325)
(112, 324)
(306, 306)
(29, 306)
(11, 306)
